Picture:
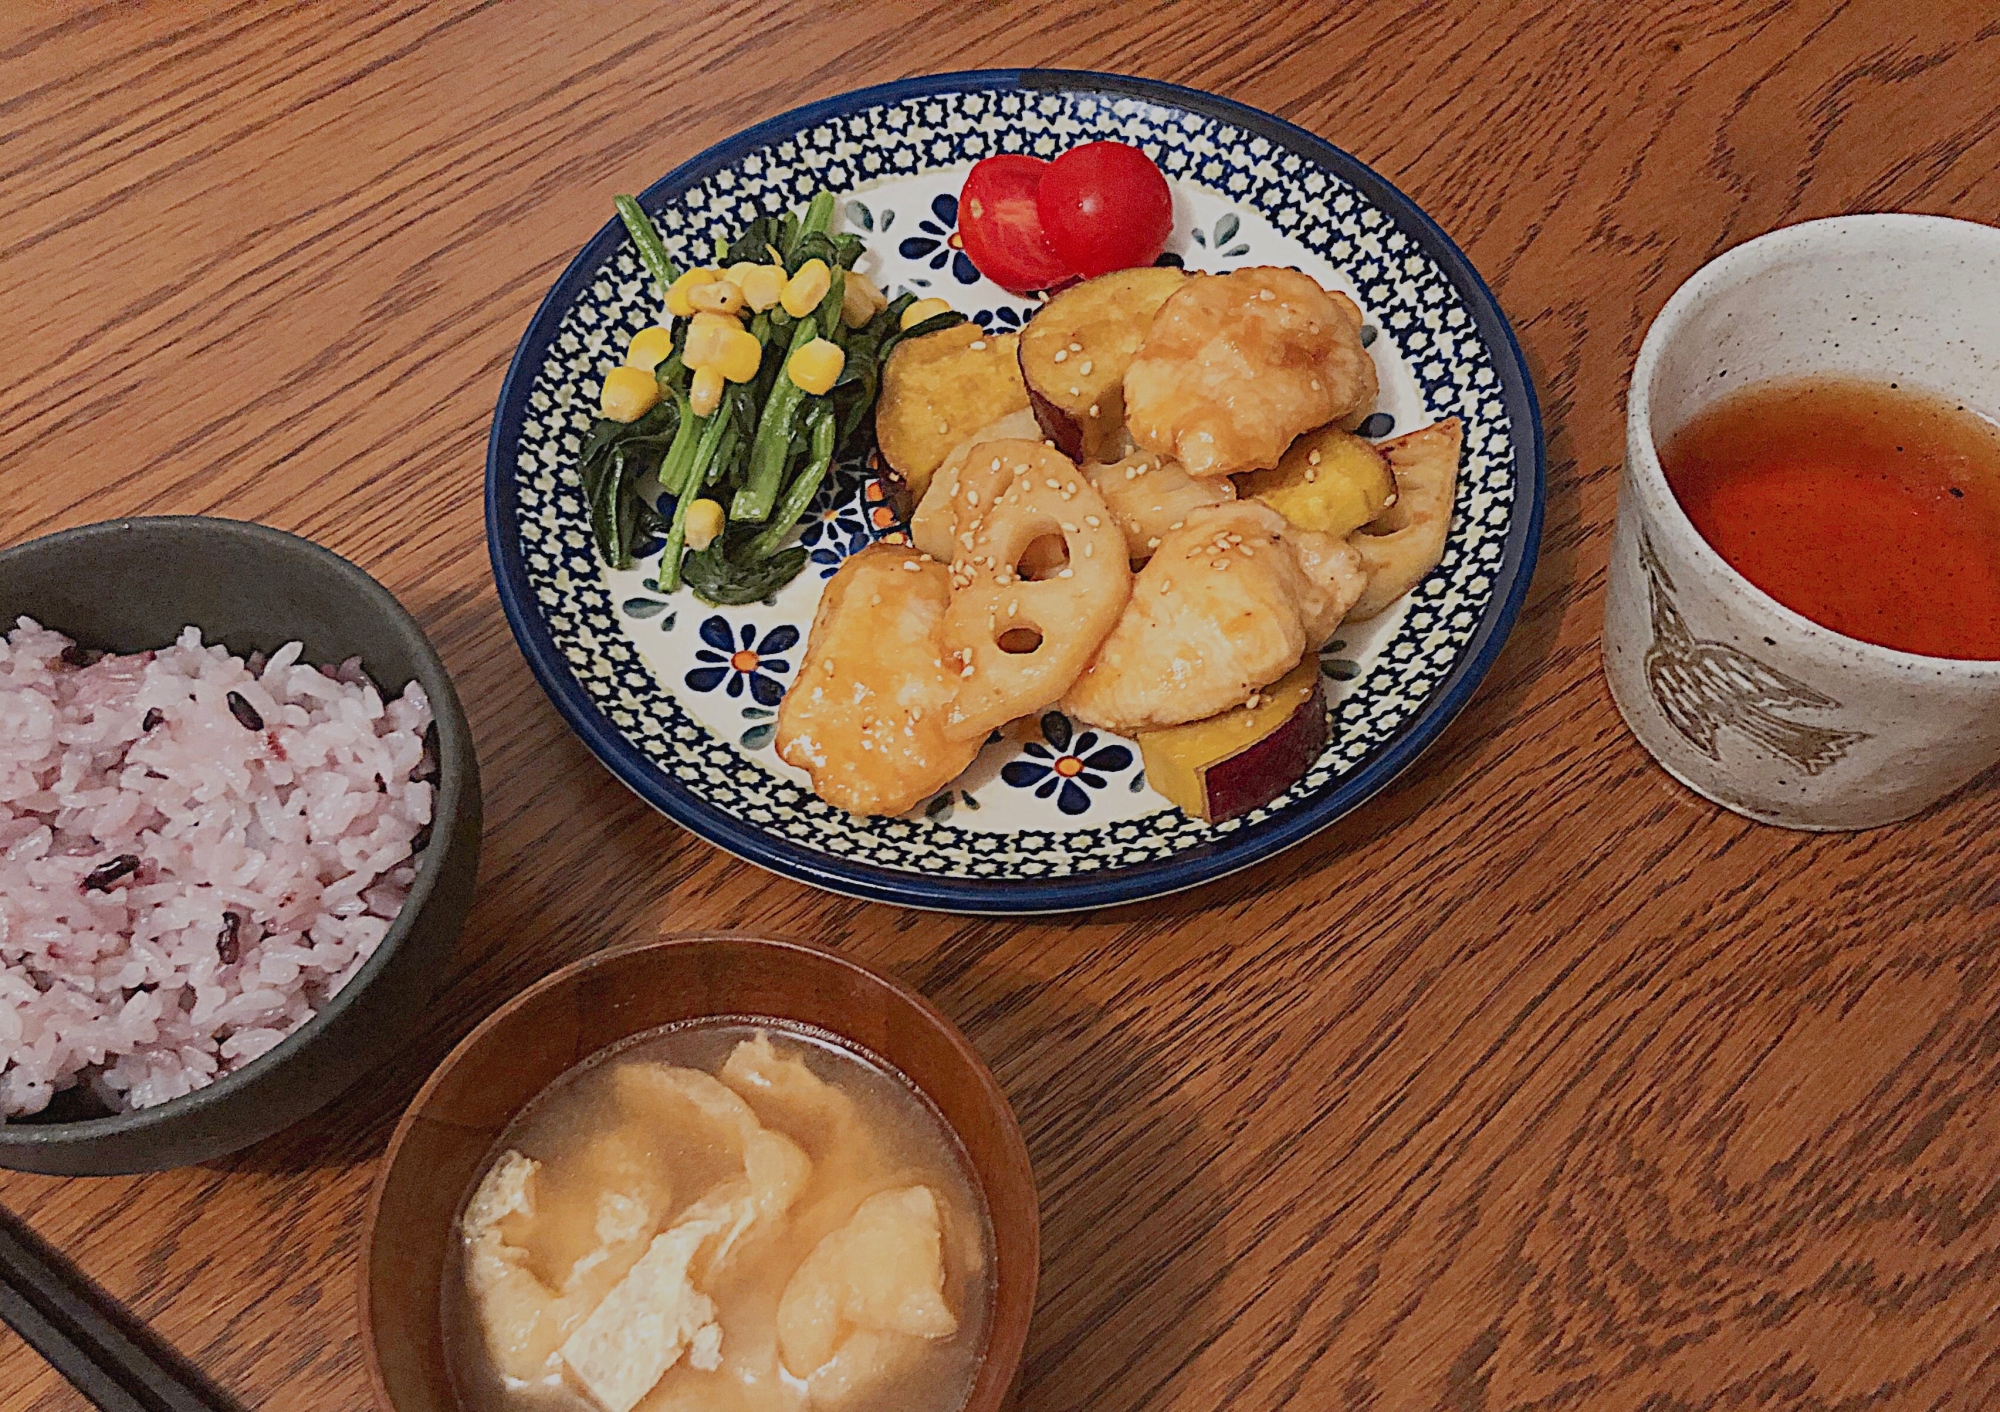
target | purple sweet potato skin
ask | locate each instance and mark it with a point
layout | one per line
(1059, 426)
(1265, 769)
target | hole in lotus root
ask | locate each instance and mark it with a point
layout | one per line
(1016, 642)
(1044, 559)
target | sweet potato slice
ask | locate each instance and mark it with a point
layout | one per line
(938, 390)
(1329, 480)
(1227, 765)
(1407, 540)
(1075, 350)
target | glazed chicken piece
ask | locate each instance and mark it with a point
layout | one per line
(1237, 365)
(866, 716)
(1228, 603)
(1150, 494)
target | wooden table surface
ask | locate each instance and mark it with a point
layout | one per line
(1538, 1083)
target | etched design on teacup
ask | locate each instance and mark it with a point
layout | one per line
(1701, 687)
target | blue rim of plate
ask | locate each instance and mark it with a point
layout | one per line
(1108, 888)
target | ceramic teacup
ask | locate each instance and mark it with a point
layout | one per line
(1738, 697)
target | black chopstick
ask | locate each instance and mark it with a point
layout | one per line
(111, 1356)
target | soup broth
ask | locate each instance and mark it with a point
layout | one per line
(1869, 508)
(725, 1216)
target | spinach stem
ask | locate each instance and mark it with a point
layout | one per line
(680, 452)
(652, 250)
(773, 444)
(804, 486)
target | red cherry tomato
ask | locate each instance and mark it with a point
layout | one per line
(1105, 207)
(999, 228)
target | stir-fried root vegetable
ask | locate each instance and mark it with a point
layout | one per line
(1075, 350)
(1225, 766)
(1407, 541)
(1330, 480)
(761, 376)
(940, 389)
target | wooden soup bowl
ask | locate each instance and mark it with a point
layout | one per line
(556, 1024)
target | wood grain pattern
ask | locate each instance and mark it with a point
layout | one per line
(1538, 1084)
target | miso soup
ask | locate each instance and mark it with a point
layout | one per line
(726, 1216)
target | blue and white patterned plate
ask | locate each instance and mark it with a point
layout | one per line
(678, 698)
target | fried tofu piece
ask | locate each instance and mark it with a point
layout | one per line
(656, 1314)
(865, 1294)
(1236, 366)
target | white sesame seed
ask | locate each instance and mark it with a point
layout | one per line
(1076, 392)
(1085, 369)
(978, 345)
(1066, 573)
(1093, 409)
(1153, 543)
(1087, 549)
(1166, 584)
(1062, 355)
(829, 666)
(1067, 528)
(1312, 457)
(1076, 348)
(1176, 524)
(1092, 521)
(996, 464)
(971, 496)
(1266, 295)
(944, 428)
(911, 565)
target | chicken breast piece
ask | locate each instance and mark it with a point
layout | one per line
(866, 716)
(1237, 365)
(1223, 607)
(1150, 494)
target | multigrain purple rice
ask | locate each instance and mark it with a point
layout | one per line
(181, 889)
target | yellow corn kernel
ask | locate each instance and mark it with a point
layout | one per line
(722, 297)
(804, 290)
(649, 348)
(629, 393)
(924, 309)
(816, 367)
(741, 356)
(705, 393)
(709, 338)
(704, 523)
(763, 286)
(739, 272)
(677, 297)
(860, 301)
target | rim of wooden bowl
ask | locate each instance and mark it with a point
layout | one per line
(1011, 1180)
